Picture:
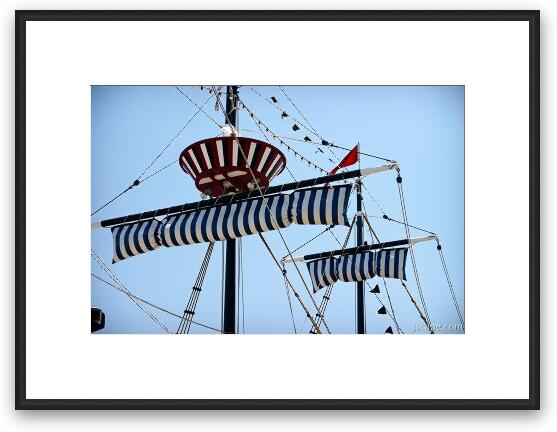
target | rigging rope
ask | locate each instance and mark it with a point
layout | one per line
(367, 283)
(372, 233)
(189, 311)
(200, 108)
(441, 256)
(328, 292)
(300, 112)
(277, 106)
(325, 145)
(450, 284)
(275, 136)
(314, 131)
(151, 304)
(297, 122)
(310, 129)
(162, 169)
(288, 297)
(138, 180)
(369, 227)
(114, 199)
(390, 219)
(391, 304)
(267, 139)
(405, 217)
(290, 284)
(417, 308)
(104, 267)
(327, 296)
(373, 198)
(309, 241)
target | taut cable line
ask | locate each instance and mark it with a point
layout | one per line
(105, 268)
(149, 303)
(412, 256)
(367, 283)
(139, 179)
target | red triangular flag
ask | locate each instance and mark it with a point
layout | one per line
(350, 159)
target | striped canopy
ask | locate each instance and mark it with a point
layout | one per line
(325, 205)
(226, 222)
(134, 239)
(321, 206)
(323, 272)
(356, 267)
(389, 263)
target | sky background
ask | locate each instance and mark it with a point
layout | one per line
(421, 127)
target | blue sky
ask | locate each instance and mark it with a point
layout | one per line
(421, 127)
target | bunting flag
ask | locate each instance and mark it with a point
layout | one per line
(134, 239)
(356, 267)
(391, 263)
(322, 272)
(226, 222)
(321, 206)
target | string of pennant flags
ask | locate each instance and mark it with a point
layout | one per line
(275, 136)
(296, 123)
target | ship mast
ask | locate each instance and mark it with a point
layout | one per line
(360, 298)
(229, 300)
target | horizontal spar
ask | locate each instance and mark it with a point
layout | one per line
(229, 199)
(355, 250)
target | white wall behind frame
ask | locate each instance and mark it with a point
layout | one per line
(490, 58)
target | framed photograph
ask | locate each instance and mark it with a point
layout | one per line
(277, 210)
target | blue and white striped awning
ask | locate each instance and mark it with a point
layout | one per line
(391, 263)
(226, 222)
(325, 205)
(321, 206)
(134, 239)
(356, 267)
(322, 272)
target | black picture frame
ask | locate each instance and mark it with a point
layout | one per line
(531, 16)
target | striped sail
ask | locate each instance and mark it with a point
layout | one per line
(134, 239)
(321, 206)
(326, 205)
(356, 267)
(322, 272)
(391, 263)
(226, 222)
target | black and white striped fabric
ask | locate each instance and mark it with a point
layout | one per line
(321, 206)
(310, 206)
(391, 263)
(356, 267)
(322, 272)
(226, 222)
(134, 239)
